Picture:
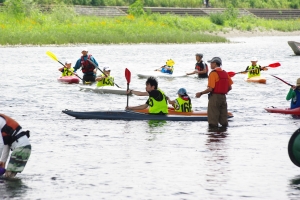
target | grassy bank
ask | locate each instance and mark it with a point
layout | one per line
(61, 27)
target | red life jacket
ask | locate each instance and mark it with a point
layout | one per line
(86, 65)
(222, 85)
(9, 130)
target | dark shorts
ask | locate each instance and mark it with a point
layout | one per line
(89, 78)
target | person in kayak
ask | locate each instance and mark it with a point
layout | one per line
(16, 139)
(254, 69)
(157, 101)
(68, 70)
(168, 67)
(88, 69)
(105, 79)
(219, 84)
(294, 95)
(182, 103)
(201, 67)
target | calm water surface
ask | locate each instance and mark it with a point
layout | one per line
(98, 159)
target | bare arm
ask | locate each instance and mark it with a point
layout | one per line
(208, 90)
(140, 107)
(138, 93)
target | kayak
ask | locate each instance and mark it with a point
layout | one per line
(68, 79)
(140, 115)
(256, 79)
(294, 148)
(104, 89)
(295, 46)
(160, 74)
(295, 111)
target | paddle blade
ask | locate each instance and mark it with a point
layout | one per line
(127, 75)
(277, 64)
(51, 55)
(231, 74)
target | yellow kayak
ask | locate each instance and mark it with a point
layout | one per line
(256, 79)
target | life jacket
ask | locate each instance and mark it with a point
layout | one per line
(295, 102)
(157, 107)
(199, 68)
(67, 72)
(221, 86)
(10, 130)
(107, 81)
(163, 70)
(184, 105)
(86, 65)
(253, 71)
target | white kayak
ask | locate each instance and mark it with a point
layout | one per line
(104, 89)
(160, 74)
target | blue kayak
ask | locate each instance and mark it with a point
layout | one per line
(139, 115)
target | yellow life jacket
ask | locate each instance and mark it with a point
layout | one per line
(67, 72)
(253, 71)
(107, 81)
(183, 105)
(157, 107)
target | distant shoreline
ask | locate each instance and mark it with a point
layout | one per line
(254, 33)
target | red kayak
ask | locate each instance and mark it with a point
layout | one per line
(295, 111)
(69, 79)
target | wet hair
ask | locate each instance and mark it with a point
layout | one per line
(152, 81)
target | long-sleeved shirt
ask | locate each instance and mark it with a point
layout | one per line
(78, 63)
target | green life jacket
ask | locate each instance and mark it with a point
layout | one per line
(67, 72)
(253, 71)
(157, 107)
(183, 105)
(107, 81)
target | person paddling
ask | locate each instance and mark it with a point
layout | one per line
(201, 67)
(294, 95)
(157, 101)
(182, 103)
(168, 67)
(68, 70)
(105, 79)
(254, 69)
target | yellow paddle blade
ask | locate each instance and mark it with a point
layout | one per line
(51, 55)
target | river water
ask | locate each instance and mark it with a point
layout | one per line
(99, 159)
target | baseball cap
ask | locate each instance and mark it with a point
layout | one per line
(106, 69)
(254, 59)
(181, 91)
(199, 54)
(84, 49)
(298, 82)
(216, 60)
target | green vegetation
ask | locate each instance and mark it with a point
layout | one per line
(24, 24)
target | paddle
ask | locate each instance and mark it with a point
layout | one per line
(272, 65)
(51, 55)
(101, 70)
(282, 80)
(128, 77)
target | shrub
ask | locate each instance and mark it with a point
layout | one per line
(217, 18)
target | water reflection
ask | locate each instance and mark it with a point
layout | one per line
(11, 188)
(295, 188)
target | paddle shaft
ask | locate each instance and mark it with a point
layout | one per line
(101, 70)
(128, 78)
(283, 80)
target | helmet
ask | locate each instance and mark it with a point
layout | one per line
(181, 91)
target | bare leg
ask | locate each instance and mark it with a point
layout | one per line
(9, 174)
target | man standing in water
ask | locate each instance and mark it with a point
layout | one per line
(14, 138)
(200, 67)
(219, 84)
(88, 69)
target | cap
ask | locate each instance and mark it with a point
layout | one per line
(216, 60)
(298, 82)
(170, 62)
(84, 49)
(254, 59)
(199, 54)
(181, 91)
(2, 171)
(106, 69)
(68, 62)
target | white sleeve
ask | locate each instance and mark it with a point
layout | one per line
(5, 153)
(2, 123)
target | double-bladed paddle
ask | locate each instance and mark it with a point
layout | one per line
(53, 56)
(272, 65)
(282, 80)
(128, 77)
(101, 70)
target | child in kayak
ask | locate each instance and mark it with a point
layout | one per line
(294, 95)
(183, 102)
(105, 79)
(168, 67)
(254, 69)
(67, 70)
